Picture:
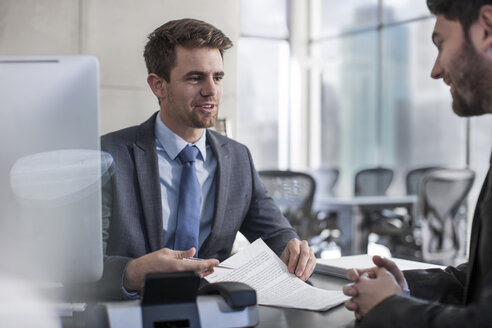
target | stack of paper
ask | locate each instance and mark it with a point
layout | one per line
(259, 267)
(338, 267)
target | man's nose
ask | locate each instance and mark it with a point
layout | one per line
(437, 71)
(209, 88)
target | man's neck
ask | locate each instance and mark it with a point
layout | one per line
(191, 137)
(188, 134)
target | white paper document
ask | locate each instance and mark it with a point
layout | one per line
(338, 267)
(259, 267)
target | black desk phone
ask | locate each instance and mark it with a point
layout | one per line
(170, 299)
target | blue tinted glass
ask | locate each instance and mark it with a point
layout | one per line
(419, 127)
(264, 18)
(262, 89)
(349, 105)
(346, 16)
(401, 10)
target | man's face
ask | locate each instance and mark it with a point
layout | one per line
(192, 96)
(462, 68)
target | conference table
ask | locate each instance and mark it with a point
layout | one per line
(351, 211)
(272, 317)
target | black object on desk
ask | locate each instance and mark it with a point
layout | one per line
(237, 295)
(169, 300)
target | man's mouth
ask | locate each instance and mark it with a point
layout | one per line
(448, 82)
(206, 107)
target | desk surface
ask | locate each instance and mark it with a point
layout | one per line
(271, 317)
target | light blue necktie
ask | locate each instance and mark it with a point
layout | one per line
(188, 224)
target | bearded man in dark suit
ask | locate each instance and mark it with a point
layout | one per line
(455, 297)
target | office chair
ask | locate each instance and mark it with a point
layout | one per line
(397, 230)
(373, 181)
(443, 229)
(293, 192)
(326, 179)
(414, 177)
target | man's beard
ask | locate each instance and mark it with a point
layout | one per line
(203, 123)
(471, 79)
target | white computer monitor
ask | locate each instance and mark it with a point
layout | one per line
(50, 168)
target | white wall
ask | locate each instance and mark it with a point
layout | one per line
(115, 31)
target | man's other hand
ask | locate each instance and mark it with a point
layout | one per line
(299, 258)
(356, 274)
(164, 260)
(383, 262)
(368, 291)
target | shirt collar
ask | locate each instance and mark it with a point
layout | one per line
(174, 144)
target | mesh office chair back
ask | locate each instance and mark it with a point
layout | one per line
(414, 177)
(293, 192)
(326, 179)
(441, 193)
(373, 181)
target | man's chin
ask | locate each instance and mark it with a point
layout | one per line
(205, 124)
(458, 111)
(463, 110)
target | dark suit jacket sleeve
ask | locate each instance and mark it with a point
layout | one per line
(110, 286)
(445, 286)
(264, 219)
(401, 311)
(111, 283)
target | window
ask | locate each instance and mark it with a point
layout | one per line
(366, 78)
(379, 106)
(263, 70)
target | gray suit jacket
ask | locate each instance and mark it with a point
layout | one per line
(132, 209)
(456, 297)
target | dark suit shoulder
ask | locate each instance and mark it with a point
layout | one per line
(129, 135)
(223, 140)
(123, 136)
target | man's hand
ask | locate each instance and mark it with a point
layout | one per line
(355, 275)
(350, 290)
(370, 291)
(299, 258)
(164, 260)
(389, 265)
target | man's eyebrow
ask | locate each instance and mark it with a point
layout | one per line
(191, 73)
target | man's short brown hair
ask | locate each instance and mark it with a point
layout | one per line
(159, 53)
(463, 11)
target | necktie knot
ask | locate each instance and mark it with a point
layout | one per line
(188, 154)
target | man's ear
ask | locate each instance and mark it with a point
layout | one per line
(485, 26)
(158, 85)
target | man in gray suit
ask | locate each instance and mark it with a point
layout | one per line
(455, 297)
(184, 62)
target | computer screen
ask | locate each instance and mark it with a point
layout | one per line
(50, 168)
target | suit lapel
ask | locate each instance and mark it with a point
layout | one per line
(148, 181)
(220, 147)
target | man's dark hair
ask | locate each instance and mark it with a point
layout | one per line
(463, 11)
(160, 54)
